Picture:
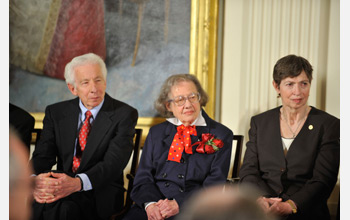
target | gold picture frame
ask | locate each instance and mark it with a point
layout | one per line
(202, 59)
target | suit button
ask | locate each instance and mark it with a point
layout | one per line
(164, 175)
(280, 191)
(282, 169)
(182, 160)
(180, 176)
(166, 184)
(181, 190)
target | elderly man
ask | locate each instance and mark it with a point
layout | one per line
(90, 139)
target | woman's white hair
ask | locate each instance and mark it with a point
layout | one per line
(89, 58)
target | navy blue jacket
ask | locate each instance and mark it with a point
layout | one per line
(157, 178)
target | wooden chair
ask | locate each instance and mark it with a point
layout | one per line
(237, 160)
(131, 176)
(36, 135)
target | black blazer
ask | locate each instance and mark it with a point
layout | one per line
(308, 173)
(157, 178)
(107, 151)
(23, 122)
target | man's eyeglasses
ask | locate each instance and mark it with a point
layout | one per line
(181, 100)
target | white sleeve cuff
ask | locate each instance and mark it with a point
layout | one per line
(86, 181)
(147, 204)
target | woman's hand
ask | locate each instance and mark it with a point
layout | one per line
(281, 209)
(168, 208)
(153, 212)
(264, 204)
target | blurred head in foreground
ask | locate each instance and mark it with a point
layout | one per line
(19, 179)
(229, 202)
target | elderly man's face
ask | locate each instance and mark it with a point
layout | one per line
(90, 85)
(188, 112)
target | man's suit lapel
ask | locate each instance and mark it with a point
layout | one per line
(99, 128)
(68, 132)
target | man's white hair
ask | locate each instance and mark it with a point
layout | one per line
(89, 58)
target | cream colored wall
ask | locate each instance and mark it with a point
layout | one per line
(253, 41)
(259, 32)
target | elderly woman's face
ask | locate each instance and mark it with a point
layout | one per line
(294, 91)
(188, 112)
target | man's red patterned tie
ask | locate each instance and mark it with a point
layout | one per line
(182, 140)
(83, 134)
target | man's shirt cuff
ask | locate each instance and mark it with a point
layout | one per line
(86, 181)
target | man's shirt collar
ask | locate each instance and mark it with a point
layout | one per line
(94, 110)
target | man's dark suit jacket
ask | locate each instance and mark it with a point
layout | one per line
(23, 122)
(106, 154)
(157, 178)
(308, 173)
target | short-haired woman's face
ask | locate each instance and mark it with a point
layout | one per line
(294, 91)
(188, 112)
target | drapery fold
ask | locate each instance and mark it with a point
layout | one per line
(46, 35)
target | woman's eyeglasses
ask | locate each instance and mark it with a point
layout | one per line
(181, 100)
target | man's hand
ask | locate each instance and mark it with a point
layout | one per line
(51, 187)
(64, 185)
(168, 208)
(153, 212)
(42, 192)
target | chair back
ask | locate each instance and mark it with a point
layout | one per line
(130, 176)
(36, 132)
(134, 166)
(238, 155)
(237, 159)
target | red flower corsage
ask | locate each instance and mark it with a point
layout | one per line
(209, 144)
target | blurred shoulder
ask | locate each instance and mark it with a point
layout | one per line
(63, 104)
(116, 104)
(267, 115)
(161, 127)
(220, 127)
(215, 126)
(318, 115)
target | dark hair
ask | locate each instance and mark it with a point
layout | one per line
(291, 66)
(160, 103)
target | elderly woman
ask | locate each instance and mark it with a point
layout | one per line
(293, 150)
(185, 153)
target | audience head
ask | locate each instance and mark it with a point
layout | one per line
(291, 66)
(178, 93)
(224, 202)
(86, 77)
(20, 185)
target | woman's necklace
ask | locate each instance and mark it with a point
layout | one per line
(293, 132)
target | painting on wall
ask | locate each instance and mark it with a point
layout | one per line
(145, 42)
